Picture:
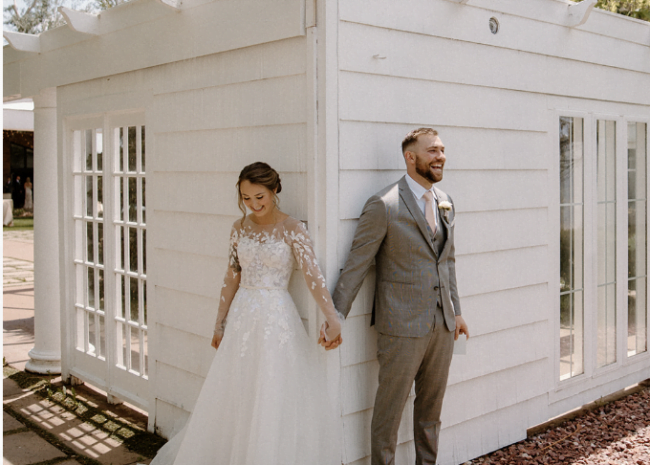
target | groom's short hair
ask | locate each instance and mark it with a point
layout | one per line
(412, 137)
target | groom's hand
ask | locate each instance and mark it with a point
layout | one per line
(329, 345)
(461, 328)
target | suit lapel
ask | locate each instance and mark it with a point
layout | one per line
(413, 207)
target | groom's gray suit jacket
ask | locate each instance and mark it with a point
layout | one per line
(412, 275)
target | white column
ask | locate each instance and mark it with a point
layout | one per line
(45, 357)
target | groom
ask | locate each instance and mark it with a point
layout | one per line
(408, 229)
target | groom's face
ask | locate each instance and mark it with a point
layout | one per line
(430, 157)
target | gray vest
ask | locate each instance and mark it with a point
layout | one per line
(439, 239)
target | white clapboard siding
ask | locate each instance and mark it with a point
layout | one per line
(505, 68)
(364, 98)
(478, 232)
(279, 100)
(494, 391)
(196, 356)
(502, 350)
(490, 432)
(169, 419)
(230, 149)
(360, 383)
(215, 193)
(192, 273)
(499, 270)
(187, 312)
(373, 146)
(361, 345)
(470, 24)
(193, 233)
(185, 389)
(265, 61)
(510, 308)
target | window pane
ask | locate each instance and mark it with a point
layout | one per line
(144, 251)
(133, 200)
(144, 209)
(92, 340)
(143, 150)
(89, 243)
(100, 243)
(100, 197)
(133, 249)
(135, 349)
(120, 259)
(89, 149)
(606, 153)
(571, 247)
(89, 196)
(132, 148)
(637, 239)
(91, 287)
(102, 336)
(120, 152)
(134, 302)
(571, 335)
(101, 289)
(99, 144)
(122, 186)
(144, 300)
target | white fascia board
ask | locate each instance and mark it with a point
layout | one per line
(23, 42)
(80, 22)
(600, 22)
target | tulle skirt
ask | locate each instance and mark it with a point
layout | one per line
(264, 400)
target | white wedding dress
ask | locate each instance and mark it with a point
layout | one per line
(264, 400)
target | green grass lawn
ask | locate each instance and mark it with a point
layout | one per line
(21, 224)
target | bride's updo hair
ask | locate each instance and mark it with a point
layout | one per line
(262, 174)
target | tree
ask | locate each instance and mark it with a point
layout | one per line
(639, 9)
(42, 15)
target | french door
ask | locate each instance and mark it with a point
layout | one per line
(108, 279)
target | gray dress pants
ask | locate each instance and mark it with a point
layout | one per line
(403, 360)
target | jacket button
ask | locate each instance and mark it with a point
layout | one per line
(436, 288)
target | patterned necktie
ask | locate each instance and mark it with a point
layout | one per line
(428, 210)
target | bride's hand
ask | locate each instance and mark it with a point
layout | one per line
(333, 339)
(216, 340)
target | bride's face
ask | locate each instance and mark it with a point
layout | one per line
(257, 198)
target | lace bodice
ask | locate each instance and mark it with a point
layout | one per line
(264, 256)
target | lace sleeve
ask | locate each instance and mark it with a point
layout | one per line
(230, 282)
(303, 251)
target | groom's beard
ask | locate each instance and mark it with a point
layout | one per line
(424, 170)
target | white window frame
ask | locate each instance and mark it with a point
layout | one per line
(592, 375)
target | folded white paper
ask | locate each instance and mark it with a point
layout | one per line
(460, 345)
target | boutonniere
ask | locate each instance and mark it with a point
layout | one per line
(445, 207)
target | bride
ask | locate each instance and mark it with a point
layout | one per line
(264, 400)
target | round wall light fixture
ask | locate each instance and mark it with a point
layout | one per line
(494, 25)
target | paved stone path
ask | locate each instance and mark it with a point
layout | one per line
(35, 429)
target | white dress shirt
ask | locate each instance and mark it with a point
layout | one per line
(418, 193)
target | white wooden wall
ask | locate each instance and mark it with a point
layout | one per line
(493, 98)
(206, 118)
(211, 117)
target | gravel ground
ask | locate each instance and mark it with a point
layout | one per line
(617, 433)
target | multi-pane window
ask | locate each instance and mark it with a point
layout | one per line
(131, 236)
(89, 238)
(593, 306)
(637, 238)
(606, 220)
(571, 247)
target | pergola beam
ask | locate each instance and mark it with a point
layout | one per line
(578, 13)
(79, 21)
(23, 42)
(173, 4)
